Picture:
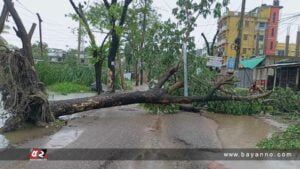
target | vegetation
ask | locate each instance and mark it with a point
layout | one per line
(237, 107)
(283, 101)
(66, 88)
(36, 51)
(51, 74)
(288, 140)
(160, 109)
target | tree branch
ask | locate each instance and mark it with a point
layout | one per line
(220, 84)
(166, 76)
(124, 12)
(32, 31)
(213, 43)
(4, 15)
(21, 32)
(206, 43)
(82, 18)
(106, 4)
(176, 86)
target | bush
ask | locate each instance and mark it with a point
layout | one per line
(284, 100)
(58, 73)
(288, 140)
(237, 107)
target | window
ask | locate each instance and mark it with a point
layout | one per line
(244, 50)
(245, 37)
(271, 45)
(261, 25)
(274, 17)
(280, 52)
(246, 24)
(273, 32)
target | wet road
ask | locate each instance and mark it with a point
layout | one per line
(126, 127)
(131, 127)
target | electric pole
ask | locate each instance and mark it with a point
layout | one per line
(185, 67)
(40, 30)
(238, 40)
(143, 41)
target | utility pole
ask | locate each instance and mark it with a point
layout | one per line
(79, 41)
(287, 42)
(185, 65)
(238, 40)
(40, 29)
(298, 43)
(143, 41)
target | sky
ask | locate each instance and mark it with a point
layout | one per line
(58, 29)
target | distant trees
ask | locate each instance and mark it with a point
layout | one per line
(36, 51)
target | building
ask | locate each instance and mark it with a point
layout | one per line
(280, 50)
(56, 55)
(259, 36)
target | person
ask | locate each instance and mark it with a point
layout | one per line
(254, 88)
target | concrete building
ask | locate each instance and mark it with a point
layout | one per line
(259, 36)
(280, 50)
(56, 55)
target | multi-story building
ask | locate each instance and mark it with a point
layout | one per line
(259, 35)
(280, 50)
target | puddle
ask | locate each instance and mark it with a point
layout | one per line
(34, 132)
(62, 138)
(246, 132)
(241, 131)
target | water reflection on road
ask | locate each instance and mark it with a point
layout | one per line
(245, 132)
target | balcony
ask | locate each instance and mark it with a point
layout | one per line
(221, 42)
(224, 28)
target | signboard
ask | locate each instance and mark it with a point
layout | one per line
(214, 61)
(230, 63)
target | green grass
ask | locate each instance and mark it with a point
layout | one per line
(288, 140)
(67, 87)
(53, 73)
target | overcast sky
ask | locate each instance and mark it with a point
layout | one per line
(57, 29)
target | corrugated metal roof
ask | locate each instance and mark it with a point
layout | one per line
(252, 63)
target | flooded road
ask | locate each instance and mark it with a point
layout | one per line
(244, 131)
(132, 127)
(33, 132)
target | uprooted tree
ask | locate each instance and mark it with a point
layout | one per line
(26, 100)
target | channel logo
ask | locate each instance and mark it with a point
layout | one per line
(38, 154)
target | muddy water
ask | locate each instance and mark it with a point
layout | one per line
(30, 133)
(241, 131)
(245, 132)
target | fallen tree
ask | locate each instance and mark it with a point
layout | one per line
(26, 98)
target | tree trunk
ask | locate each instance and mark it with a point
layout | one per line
(98, 74)
(121, 72)
(136, 73)
(114, 46)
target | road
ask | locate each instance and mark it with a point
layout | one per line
(126, 127)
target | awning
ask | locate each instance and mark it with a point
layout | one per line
(252, 63)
